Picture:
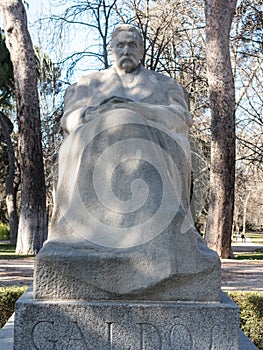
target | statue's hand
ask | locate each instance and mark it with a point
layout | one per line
(103, 106)
(87, 113)
(115, 99)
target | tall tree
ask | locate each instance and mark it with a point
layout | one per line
(219, 15)
(247, 39)
(6, 128)
(32, 230)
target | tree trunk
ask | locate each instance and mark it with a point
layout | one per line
(219, 15)
(10, 190)
(32, 230)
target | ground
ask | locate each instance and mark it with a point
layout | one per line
(236, 274)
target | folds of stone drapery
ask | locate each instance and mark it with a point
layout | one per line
(123, 176)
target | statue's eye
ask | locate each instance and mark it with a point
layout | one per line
(120, 45)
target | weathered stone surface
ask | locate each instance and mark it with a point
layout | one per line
(124, 267)
(125, 325)
(7, 338)
(125, 167)
(156, 270)
(122, 226)
(121, 181)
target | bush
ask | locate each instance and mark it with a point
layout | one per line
(8, 297)
(4, 232)
(250, 304)
(251, 314)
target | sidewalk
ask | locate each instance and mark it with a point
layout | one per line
(236, 274)
(17, 272)
(243, 275)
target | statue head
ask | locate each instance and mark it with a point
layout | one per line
(126, 48)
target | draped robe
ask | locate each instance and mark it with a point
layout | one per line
(121, 226)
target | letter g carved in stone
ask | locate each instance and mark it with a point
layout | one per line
(43, 335)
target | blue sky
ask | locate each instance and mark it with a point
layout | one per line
(36, 8)
(43, 38)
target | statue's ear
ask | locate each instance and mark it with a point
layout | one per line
(111, 52)
(142, 52)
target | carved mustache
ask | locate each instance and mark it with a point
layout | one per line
(130, 58)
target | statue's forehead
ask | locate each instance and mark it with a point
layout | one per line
(125, 36)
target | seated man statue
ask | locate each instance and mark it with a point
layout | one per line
(122, 199)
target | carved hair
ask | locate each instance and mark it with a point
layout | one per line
(127, 28)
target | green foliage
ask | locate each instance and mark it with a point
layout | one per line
(256, 255)
(256, 237)
(4, 232)
(7, 251)
(6, 68)
(8, 297)
(6, 74)
(251, 314)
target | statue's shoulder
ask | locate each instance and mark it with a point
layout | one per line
(162, 79)
(87, 83)
(167, 84)
(96, 77)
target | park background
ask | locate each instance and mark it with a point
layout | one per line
(71, 38)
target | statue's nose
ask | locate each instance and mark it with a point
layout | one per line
(126, 49)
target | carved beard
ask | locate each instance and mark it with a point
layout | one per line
(128, 63)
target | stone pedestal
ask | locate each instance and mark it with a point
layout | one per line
(123, 325)
(156, 270)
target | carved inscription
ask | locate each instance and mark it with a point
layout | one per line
(181, 338)
(46, 336)
(76, 338)
(123, 335)
(149, 335)
(49, 335)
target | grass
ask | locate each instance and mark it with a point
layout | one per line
(7, 251)
(251, 314)
(257, 254)
(256, 237)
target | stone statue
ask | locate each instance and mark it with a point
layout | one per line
(120, 96)
(127, 81)
(124, 267)
(122, 200)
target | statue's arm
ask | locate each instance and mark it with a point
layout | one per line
(74, 109)
(179, 102)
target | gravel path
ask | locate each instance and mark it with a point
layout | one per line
(17, 272)
(242, 274)
(236, 274)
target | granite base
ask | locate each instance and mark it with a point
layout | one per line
(106, 325)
